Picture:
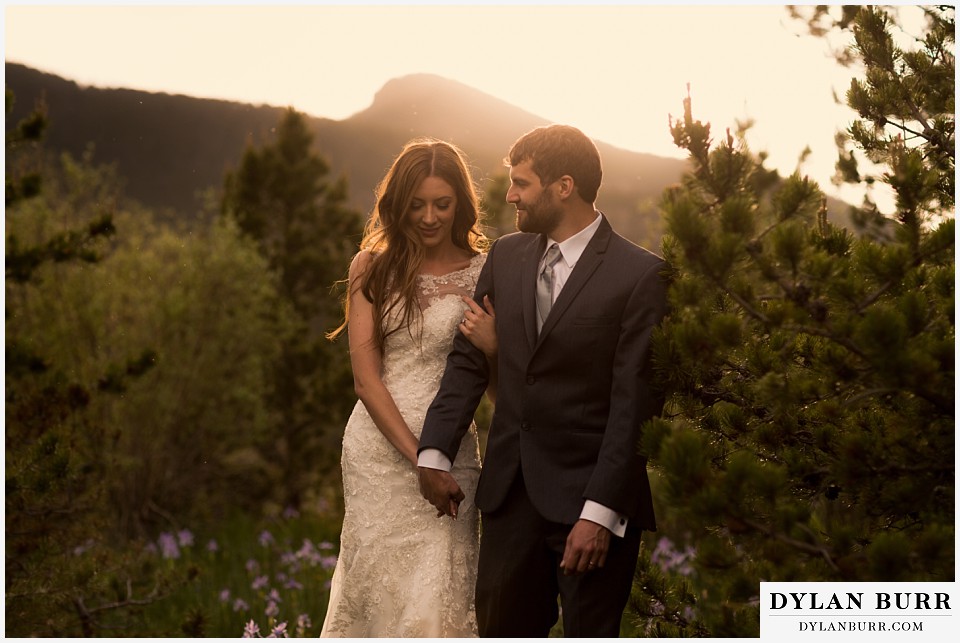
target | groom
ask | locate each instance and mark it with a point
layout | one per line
(563, 491)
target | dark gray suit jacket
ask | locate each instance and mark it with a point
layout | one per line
(570, 402)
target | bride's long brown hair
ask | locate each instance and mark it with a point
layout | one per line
(390, 280)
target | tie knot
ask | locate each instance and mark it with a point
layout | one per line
(552, 256)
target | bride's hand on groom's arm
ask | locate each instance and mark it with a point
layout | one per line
(479, 325)
(441, 490)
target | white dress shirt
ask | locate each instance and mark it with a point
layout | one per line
(570, 252)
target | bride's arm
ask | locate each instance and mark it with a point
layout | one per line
(479, 326)
(366, 362)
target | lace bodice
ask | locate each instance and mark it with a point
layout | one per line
(414, 359)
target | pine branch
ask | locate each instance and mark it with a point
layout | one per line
(917, 261)
(926, 135)
(869, 393)
(796, 544)
(155, 508)
(943, 404)
(798, 328)
(86, 614)
(743, 303)
(893, 470)
(129, 601)
(929, 134)
(874, 296)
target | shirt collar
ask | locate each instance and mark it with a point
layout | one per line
(572, 248)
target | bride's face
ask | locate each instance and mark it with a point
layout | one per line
(432, 211)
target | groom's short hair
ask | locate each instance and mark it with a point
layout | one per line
(558, 150)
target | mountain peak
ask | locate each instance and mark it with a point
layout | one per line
(422, 82)
(429, 91)
(432, 105)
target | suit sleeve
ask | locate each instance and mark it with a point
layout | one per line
(633, 398)
(464, 382)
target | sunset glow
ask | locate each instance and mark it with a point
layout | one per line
(616, 71)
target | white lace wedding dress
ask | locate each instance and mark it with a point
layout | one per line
(403, 572)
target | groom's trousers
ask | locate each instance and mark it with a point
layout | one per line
(520, 578)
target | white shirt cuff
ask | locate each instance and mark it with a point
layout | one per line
(434, 459)
(604, 516)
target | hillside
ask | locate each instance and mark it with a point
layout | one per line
(170, 148)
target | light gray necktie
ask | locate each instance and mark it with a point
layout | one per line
(545, 284)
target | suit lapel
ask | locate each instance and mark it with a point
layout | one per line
(589, 261)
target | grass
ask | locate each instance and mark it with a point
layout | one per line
(244, 576)
(274, 573)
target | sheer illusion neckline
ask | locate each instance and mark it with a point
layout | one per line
(447, 275)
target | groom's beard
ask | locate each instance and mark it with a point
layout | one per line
(542, 216)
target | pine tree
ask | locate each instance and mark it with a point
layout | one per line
(905, 103)
(58, 570)
(809, 428)
(499, 217)
(280, 195)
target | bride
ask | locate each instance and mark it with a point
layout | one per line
(403, 571)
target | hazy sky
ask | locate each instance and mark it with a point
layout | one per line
(616, 71)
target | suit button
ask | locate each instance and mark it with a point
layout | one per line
(525, 426)
(531, 379)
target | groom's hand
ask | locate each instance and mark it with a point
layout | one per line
(586, 549)
(441, 490)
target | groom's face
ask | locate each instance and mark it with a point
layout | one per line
(538, 209)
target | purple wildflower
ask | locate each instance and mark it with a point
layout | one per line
(290, 512)
(303, 624)
(260, 582)
(328, 562)
(212, 546)
(79, 550)
(224, 595)
(252, 566)
(274, 596)
(306, 548)
(272, 609)
(240, 605)
(293, 583)
(168, 545)
(668, 558)
(266, 538)
(309, 553)
(326, 545)
(250, 630)
(280, 631)
(185, 538)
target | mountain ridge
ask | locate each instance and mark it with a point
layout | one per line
(170, 148)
